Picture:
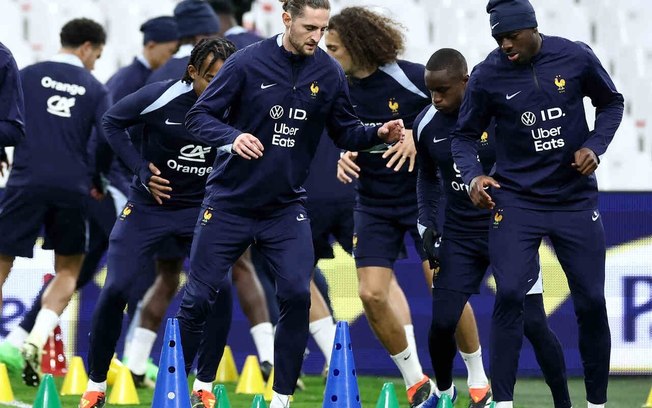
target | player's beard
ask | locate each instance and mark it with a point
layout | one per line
(300, 47)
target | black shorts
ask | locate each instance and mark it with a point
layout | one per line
(330, 219)
(24, 210)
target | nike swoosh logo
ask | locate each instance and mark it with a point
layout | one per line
(595, 216)
(301, 217)
(494, 26)
(168, 122)
(508, 97)
(439, 140)
(263, 86)
(408, 356)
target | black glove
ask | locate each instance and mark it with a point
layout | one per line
(431, 243)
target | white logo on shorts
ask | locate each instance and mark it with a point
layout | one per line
(301, 217)
(595, 215)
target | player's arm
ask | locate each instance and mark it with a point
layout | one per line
(428, 195)
(12, 110)
(609, 107)
(346, 130)
(102, 154)
(205, 119)
(473, 119)
(116, 121)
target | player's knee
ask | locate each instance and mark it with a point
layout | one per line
(371, 296)
(443, 324)
(591, 305)
(296, 294)
(510, 295)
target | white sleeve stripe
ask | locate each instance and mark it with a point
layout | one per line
(179, 88)
(399, 76)
(426, 119)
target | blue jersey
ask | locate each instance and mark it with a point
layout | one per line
(127, 80)
(241, 37)
(284, 100)
(63, 102)
(12, 109)
(540, 124)
(161, 109)
(394, 91)
(436, 165)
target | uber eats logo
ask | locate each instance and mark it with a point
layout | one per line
(284, 134)
(546, 136)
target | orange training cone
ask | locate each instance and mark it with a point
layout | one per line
(227, 371)
(251, 379)
(124, 390)
(6, 394)
(76, 378)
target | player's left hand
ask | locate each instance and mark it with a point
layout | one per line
(4, 162)
(585, 161)
(431, 244)
(392, 131)
(402, 152)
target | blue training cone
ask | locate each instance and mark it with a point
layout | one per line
(342, 381)
(171, 384)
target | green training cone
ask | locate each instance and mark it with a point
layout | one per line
(258, 402)
(221, 399)
(445, 402)
(47, 395)
(387, 397)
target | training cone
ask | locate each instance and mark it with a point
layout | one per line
(114, 368)
(258, 402)
(124, 390)
(171, 384)
(53, 360)
(342, 381)
(6, 394)
(648, 402)
(445, 402)
(76, 378)
(227, 371)
(251, 379)
(47, 396)
(221, 399)
(387, 398)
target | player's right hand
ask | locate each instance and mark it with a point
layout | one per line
(346, 167)
(431, 244)
(248, 146)
(478, 193)
(157, 186)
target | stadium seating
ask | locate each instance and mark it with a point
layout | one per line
(617, 30)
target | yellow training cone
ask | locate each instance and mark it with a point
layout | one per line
(648, 402)
(251, 379)
(114, 368)
(6, 394)
(124, 390)
(76, 378)
(226, 371)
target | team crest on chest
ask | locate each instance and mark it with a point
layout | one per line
(393, 106)
(560, 83)
(314, 89)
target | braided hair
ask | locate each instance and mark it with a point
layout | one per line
(219, 48)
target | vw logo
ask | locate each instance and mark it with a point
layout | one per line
(276, 112)
(528, 118)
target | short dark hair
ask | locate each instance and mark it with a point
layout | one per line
(295, 7)
(76, 32)
(372, 39)
(222, 7)
(219, 48)
(448, 59)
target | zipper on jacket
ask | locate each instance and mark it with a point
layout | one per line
(295, 69)
(534, 74)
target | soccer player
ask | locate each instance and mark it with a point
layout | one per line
(12, 110)
(544, 185)
(366, 44)
(267, 108)
(164, 202)
(49, 183)
(229, 27)
(159, 42)
(195, 21)
(462, 253)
